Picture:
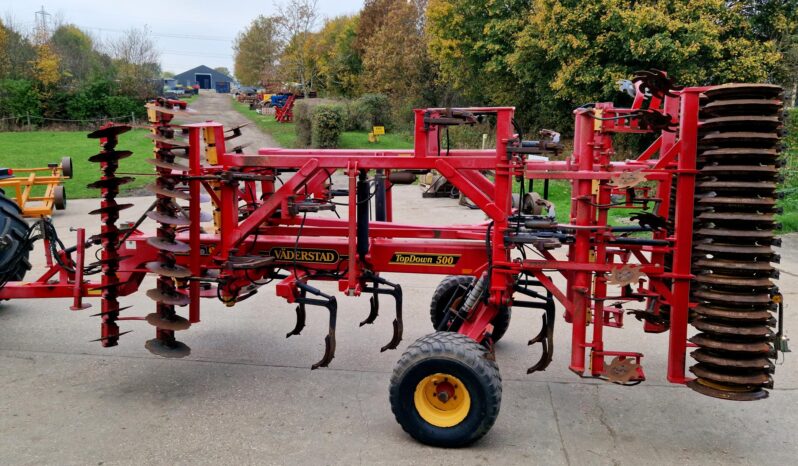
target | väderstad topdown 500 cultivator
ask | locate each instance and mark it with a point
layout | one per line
(700, 253)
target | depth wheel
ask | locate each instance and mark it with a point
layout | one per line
(452, 290)
(445, 391)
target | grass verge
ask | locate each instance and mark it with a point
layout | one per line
(38, 148)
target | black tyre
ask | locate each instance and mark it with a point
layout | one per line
(14, 250)
(452, 290)
(59, 198)
(445, 390)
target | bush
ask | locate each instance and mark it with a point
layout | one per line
(119, 106)
(19, 98)
(352, 121)
(303, 119)
(327, 126)
(373, 110)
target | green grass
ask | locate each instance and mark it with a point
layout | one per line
(37, 149)
(283, 133)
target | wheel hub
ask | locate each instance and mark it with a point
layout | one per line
(442, 400)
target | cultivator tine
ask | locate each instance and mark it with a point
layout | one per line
(374, 309)
(235, 132)
(300, 316)
(546, 339)
(394, 290)
(328, 302)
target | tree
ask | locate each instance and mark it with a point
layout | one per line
(339, 64)
(223, 70)
(471, 43)
(257, 49)
(298, 60)
(75, 50)
(16, 53)
(777, 21)
(137, 63)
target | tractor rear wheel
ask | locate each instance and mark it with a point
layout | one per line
(446, 390)
(14, 249)
(451, 291)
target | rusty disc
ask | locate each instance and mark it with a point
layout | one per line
(757, 235)
(733, 313)
(167, 219)
(110, 182)
(762, 331)
(172, 299)
(174, 349)
(110, 156)
(727, 393)
(111, 131)
(621, 370)
(110, 209)
(174, 271)
(743, 202)
(165, 244)
(742, 107)
(708, 357)
(748, 121)
(739, 151)
(734, 249)
(732, 298)
(175, 323)
(738, 185)
(155, 189)
(735, 265)
(737, 217)
(724, 138)
(745, 170)
(724, 280)
(739, 90)
(737, 378)
(167, 165)
(166, 136)
(707, 341)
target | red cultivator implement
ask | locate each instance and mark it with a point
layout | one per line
(700, 250)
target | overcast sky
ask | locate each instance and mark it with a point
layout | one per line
(187, 33)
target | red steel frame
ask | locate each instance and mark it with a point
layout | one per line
(592, 255)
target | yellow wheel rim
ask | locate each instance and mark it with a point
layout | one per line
(442, 400)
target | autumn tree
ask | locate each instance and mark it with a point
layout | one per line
(395, 55)
(257, 50)
(76, 51)
(298, 62)
(339, 64)
(223, 70)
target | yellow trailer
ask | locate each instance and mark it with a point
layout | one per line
(20, 188)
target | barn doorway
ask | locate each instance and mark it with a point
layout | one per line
(203, 79)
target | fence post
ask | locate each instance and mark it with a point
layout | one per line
(28, 116)
(132, 118)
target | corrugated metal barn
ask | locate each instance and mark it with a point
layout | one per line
(205, 76)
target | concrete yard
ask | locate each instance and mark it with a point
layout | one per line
(246, 394)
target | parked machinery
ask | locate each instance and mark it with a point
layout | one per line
(37, 191)
(700, 251)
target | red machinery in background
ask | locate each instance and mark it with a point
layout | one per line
(700, 249)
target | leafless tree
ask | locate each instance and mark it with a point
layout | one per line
(299, 18)
(137, 61)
